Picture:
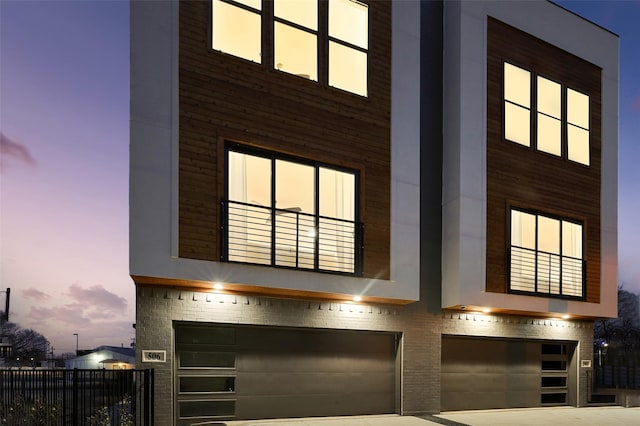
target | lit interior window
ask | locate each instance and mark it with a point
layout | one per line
(349, 41)
(523, 252)
(548, 235)
(337, 213)
(306, 220)
(549, 117)
(572, 268)
(250, 229)
(348, 21)
(572, 239)
(523, 229)
(546, 255)
(548, 261)
(347, 69)
(517, 124)
(295, 185)
(301, 12)
(517, 85)
(294, 217)
(236, 30)
(295, 51)
(578, 127)
(517, 97)
(337, 194)
(296, 48)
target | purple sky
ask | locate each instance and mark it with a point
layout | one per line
(64, 117)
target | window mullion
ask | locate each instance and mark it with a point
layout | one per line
(323, 42)
(536, 255)
(564, 122)
(316, 241)
(561, 258)
(267, 34)
(273, 211)
(533, 103)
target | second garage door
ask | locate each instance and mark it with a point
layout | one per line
(483, 373)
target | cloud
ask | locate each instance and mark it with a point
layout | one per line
(35, 294)
(68, 315)
(85, 307)
(97, 297)
(10, 149)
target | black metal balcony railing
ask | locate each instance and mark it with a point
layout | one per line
(76, 397)
(537, 271)
(290, 238)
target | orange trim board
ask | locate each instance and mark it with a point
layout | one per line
(480, 310)
(244, 289)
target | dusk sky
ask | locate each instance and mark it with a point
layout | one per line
(64, 123)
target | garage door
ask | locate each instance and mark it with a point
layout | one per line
(240, 372)
(498, 373)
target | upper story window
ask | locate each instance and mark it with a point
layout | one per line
(545, 114)
(295, 37)
(546, 255)
(322, 40)
(283, 211)
(236, 28)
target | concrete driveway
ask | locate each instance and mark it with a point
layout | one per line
(556, 416)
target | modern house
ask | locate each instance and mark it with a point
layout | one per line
(359, 207)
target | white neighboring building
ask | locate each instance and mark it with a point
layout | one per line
(107, 357)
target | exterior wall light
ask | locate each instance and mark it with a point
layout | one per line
(218, 286)
(357, 298)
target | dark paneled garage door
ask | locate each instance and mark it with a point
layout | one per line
(495, 373)
(245, 372)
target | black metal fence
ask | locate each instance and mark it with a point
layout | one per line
(76, 397)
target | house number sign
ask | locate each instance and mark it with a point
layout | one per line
(154, 356)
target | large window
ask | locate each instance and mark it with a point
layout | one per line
(321, 40)
(282, 211)
(545, 114)
(546, 255)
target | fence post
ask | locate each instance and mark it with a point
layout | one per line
(75, 411)
(147, 418)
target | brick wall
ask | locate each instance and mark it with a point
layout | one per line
(157, 308)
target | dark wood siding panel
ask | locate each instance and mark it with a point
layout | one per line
(223, 97)
(517, 175)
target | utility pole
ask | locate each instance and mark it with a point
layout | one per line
(6, 308)
(5, 347)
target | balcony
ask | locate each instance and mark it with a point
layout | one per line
(546, 273)
(290, 238)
